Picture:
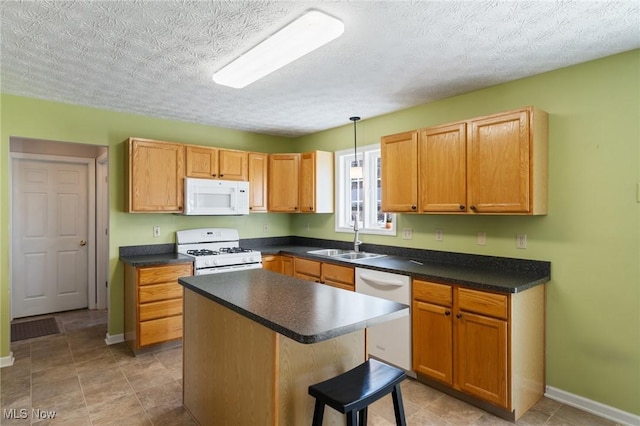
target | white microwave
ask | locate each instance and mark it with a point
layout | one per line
(210, 197)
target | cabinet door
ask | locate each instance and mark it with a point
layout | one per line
(442, 161)
(287, 265)
(155, 176)
(202, 162)
(498, 178)
(258, 182)
(283, 182)
(272, 263)
(338, 276)
(307, 196)
(433, 341)
(481, 357)
(233, 165)
(400, 172)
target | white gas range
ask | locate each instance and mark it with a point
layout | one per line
(216, 250)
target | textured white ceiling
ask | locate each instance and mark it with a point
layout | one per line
(156, 58)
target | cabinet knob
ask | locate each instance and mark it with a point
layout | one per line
(459, 316)
(250, 208)
(295, 208)
(414, 207)
(221, 175)
(461, 206)
(214, 175)
(447, 313)
(473, 208)
(311, 208)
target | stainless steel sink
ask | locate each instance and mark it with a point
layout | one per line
(329, 252)
(357, 255)
(345, 254)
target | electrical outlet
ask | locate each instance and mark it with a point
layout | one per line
(521, 241)
(265, 228)
(156, 231)
(439, 234)
(482, 238)
(407, 234)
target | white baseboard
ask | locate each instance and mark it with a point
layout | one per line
(593, 407)
(7, 361)
(112, 340)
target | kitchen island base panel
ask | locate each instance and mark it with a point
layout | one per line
(236, 371)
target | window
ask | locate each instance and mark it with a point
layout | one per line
(359, 194)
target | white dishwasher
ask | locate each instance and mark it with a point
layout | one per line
(389, 341)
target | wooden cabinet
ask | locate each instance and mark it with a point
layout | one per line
(154, 176)
(301, 182)
(272, 262)
(287, 265)
(495, 164)
(325, 273)
(153, 304)
(283, 182)
(442, 179)
(433, 330)
(258, 182)
(215, 163)
(489, 346)
(338, 276)
(399, 172)
(316, 182)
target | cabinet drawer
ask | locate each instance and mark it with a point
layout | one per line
(156, 292)
(495, 305)
(307, 277)
(164, 308)
(160, 330)
(307, 267)
(342, 274)
(439, 294)
(163, 274)
(344, 286)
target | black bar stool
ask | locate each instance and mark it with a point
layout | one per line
(353, 391)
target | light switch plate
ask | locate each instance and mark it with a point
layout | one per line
(407, 234)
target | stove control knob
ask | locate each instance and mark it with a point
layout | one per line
(215, 262)
(245, 260)
(208, 263)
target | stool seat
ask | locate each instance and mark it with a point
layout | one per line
(354, 390)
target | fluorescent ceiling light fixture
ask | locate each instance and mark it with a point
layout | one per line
(304, 35)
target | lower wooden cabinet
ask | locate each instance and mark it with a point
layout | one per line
(325, 273)
(488, 346)
(153, 304)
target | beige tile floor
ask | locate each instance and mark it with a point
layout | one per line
(87, 382)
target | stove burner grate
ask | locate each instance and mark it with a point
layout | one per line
(201, 252)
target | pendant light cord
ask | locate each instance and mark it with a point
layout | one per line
(356, 219)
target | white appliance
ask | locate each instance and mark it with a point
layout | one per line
(216, 250)
(215, 197)
(389, 341)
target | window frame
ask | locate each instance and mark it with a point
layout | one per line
(343, 159)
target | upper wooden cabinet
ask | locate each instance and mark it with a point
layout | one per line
(258, 182)
(399, 172)
(442, 158)
(283, 182)
(214, 163)
(495, 164)
(155, 175)
(316, 182)
(301, 182)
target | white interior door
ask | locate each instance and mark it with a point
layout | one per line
(50, 234)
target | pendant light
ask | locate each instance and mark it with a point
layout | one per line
(356, 171)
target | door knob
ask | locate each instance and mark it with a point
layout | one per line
(83, 242)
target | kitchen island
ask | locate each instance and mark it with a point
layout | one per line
(254, 341)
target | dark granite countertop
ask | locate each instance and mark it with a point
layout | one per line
(301, 310)
(495, 274)
(149, 255)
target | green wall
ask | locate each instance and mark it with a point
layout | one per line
(591, 234)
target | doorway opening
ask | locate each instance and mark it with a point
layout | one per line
(59, 226)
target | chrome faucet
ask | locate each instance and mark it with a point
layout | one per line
(356, 241)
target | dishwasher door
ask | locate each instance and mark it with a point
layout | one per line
(389, 341)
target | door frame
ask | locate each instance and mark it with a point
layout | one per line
(91, 211)
(102, 233)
